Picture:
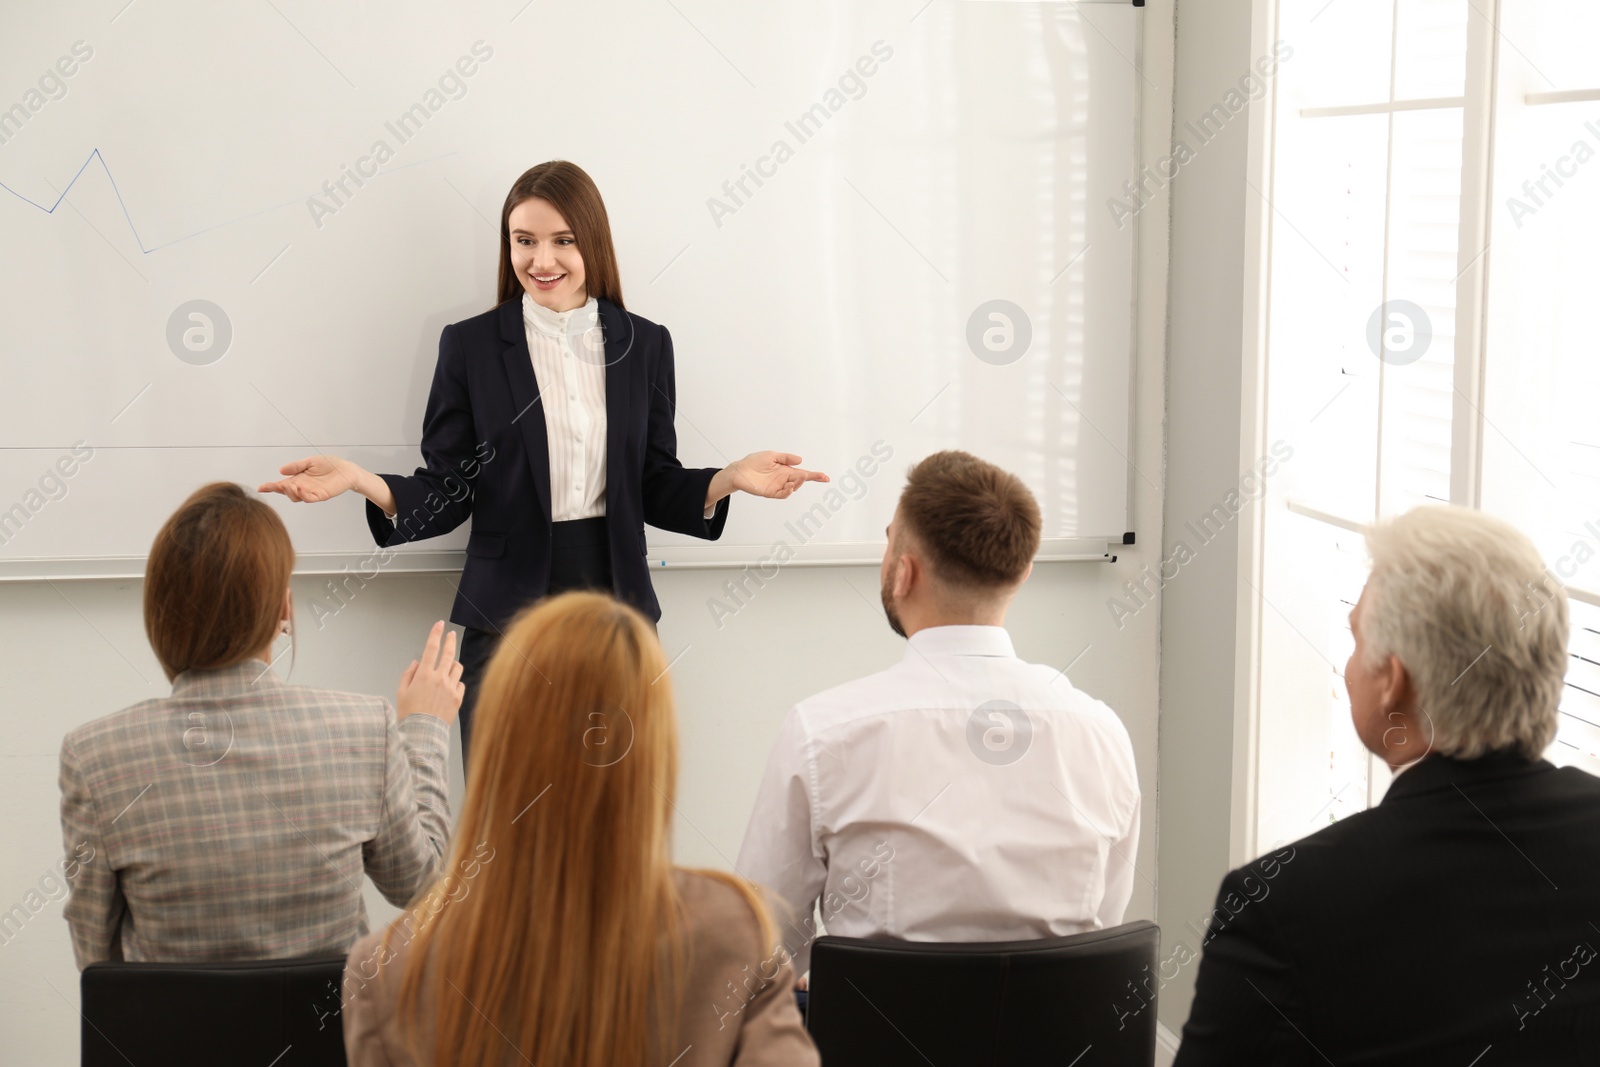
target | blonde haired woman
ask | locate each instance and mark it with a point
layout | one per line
(561, 932)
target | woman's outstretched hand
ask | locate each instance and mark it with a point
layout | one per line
(770, 474)
(325, 477)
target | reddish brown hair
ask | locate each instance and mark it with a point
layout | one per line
(214, 583)
(575, 196)
(570, 946)
(978, 524)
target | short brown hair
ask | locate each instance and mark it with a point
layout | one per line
(573, 194)
(978, 524)
(214, 583)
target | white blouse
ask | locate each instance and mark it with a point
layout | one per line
(568, 355)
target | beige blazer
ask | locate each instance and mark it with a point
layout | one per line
(727, 1017)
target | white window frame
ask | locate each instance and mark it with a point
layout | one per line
(1474, 261)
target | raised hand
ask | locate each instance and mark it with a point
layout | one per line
(432, 685)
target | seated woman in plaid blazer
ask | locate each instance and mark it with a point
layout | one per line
(234, 819)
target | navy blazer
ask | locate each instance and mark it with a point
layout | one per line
(1458, 913)
(486, 456)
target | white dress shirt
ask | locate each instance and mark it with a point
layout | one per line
(567, 349)
(908, 805)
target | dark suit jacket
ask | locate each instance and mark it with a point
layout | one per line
(486, 455)
(1460, 914)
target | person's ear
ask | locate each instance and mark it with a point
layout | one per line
(1409, 737)
(905, 575)
(1394, 688)
(1027, 573)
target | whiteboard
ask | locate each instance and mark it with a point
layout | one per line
(821, 202)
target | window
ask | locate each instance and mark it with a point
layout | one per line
(1433, 192)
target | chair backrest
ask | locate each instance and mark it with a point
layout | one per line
(198, 1013)
(1087, 1000)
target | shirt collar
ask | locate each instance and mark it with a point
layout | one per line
(960, 641)
(555, 323)
(221, 681)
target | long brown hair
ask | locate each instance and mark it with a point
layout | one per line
(575, 196)
(215, 580)
(568, 940)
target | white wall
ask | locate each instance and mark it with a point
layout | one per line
(70, 652)
(1206, 387)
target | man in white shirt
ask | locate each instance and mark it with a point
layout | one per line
(962, 794)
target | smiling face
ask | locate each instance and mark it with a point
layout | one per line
(545, 257)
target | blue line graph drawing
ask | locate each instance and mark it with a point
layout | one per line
(95, 155)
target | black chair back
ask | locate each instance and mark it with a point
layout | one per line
(213, 1013)
(1087, 1000)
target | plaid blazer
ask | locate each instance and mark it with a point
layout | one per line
(234, 819)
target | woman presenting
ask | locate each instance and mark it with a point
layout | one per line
(549, 423)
